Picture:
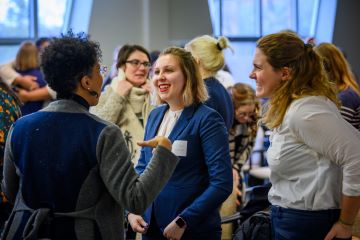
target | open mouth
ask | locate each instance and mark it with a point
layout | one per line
(164, 87)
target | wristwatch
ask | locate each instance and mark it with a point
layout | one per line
(180, 222)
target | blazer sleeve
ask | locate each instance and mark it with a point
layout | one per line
(214, 139)
(129, 189)
(10, 182)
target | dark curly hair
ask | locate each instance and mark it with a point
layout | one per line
(67, 60)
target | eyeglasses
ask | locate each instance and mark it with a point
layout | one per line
(103, 70)
(243, 114)
(137, 63)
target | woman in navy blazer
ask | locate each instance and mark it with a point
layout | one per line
(188, 206)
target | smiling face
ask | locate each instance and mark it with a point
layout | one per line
(266, 78)
(245, 113)
(169, 81)
(136, 74)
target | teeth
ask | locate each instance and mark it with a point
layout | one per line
(163, 87)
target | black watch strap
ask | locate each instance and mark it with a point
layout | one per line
(180, 222)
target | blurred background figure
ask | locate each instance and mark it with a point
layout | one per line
(113, 71)
(9, 113)
(154, 56)
(126, 101)
(225, 77)
(208, 53)
(241, 141)
(339, 73)
(28, 63)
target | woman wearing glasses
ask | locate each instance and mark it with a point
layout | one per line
(126, 101)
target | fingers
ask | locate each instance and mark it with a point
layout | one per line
(158, 140)
(330, 235)
(150, 143)
(141, 226)
(137, 223)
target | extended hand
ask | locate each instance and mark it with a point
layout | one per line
(137, 223)
(154, 142)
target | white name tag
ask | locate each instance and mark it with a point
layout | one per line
(179, 148)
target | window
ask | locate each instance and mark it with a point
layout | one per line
(245, 21)
(29, 20)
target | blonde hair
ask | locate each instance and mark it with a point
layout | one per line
(209, 51)
(195, 89)
(307, 75)
(337, 67)
(27, 57)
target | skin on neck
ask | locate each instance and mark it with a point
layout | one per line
(82, 93)
(176, 105)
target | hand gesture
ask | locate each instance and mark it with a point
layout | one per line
(147, 87)
(154, 142)
(339, 230)
(173, 231)
(123, 88)
(137, 223)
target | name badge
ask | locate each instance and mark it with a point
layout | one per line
(179, 148)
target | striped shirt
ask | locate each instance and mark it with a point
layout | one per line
(350, 109)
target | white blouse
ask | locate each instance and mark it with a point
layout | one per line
(168, 122)
(314, 156)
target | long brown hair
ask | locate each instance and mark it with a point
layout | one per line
(337, 67)
(307, 75)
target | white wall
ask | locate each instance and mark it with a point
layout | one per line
(155, 24)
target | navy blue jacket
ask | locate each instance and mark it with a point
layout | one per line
(203, 178)
(220, 100)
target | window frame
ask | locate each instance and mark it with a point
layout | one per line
(34, 24)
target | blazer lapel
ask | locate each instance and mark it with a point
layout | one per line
(155, 124)
(182, 122)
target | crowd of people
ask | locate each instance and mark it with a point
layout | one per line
(159, 147)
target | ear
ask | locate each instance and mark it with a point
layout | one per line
(85, 82)
(285, 73)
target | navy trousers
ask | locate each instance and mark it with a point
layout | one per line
(293, 224)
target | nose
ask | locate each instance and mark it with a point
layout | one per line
(252, 75)
(161, 76)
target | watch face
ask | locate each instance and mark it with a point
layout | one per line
(180, 222)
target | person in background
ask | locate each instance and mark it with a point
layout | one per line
(241, 141)
(27, 63)
(208, 53)
(154, 56)
(314, 153)
(113, 72)
(225, 77)
(339, 73)
(243, 132)
(68, 172)
(14, 79)
(188, 206)
(9, 113)
(126, 101)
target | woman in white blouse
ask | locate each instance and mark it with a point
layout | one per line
(314, 153)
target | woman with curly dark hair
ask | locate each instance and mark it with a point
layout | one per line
(68, 172)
